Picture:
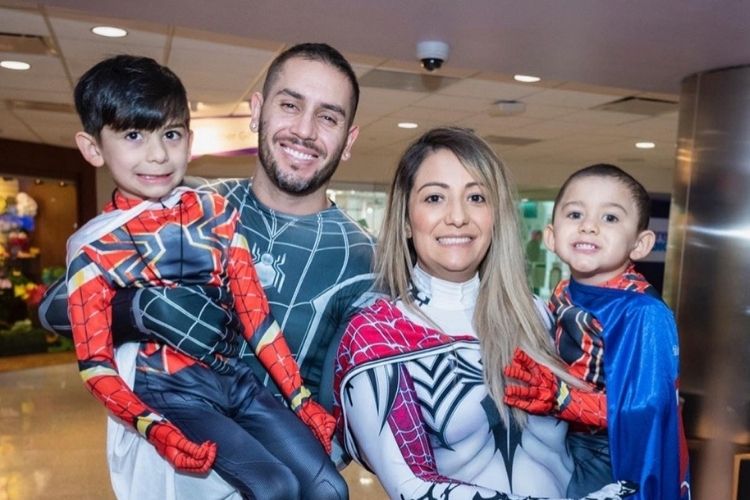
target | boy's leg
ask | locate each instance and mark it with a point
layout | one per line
(195, 400)
(287, 438)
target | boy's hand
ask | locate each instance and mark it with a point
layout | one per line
(546, 394)
(178, 450)
(319, 421)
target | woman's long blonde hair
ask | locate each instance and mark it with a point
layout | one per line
(505, 315)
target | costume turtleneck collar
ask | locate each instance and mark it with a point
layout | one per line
(446, 294)
(121, 201)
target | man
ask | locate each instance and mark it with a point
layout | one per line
(313, 261)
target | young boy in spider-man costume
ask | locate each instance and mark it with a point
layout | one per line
(617, 336)
(135, 116)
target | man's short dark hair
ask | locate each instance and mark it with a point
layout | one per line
(320, 52)
(130, 92)
(637, 191)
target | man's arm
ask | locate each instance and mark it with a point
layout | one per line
(351, 299)
(53, 309)
(195, 320)
(188, 318)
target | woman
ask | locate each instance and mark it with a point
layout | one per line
(419, 381)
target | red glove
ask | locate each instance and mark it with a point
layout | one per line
(320, 422)
(182, 453)
(546, 394)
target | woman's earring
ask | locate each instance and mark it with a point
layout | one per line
(253, 127)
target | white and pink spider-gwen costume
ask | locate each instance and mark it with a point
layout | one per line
(413, 407)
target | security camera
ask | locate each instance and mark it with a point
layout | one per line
(432, 54)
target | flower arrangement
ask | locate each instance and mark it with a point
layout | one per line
(29, 292)
(20, 332)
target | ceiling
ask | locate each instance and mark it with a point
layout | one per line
(589, 54)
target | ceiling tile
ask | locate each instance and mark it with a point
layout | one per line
(24, 22)
(487, 89)
(569, 98)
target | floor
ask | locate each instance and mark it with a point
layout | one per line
(52, 435)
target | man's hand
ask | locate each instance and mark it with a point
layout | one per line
(195, 320)
(319, 421)
(178, 450)
(546, 394)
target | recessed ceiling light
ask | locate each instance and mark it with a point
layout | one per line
(526, 78)
(109, 31)
(407, 125)
(645, 145)
(16, 65)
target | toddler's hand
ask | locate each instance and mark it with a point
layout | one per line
(541, 394)
(546, 394)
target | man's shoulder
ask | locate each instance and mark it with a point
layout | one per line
(232, 189)
(353, 230)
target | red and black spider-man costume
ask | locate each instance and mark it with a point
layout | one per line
(177, 401)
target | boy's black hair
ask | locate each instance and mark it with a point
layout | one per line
(320, 52)
(637, 191)
(130, 92)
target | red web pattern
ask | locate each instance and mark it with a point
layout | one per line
(405, 421)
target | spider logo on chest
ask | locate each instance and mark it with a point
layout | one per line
(269, 270)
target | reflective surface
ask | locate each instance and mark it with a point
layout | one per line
(708, 267)
(52, 437)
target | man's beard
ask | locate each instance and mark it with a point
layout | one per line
(288, 182)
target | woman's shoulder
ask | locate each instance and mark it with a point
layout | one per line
(382, 308)
(543, 311)
(383, 331)
(372, 321)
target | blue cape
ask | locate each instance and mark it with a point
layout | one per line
(641, 365)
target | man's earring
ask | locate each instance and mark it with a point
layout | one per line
(253, 126)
